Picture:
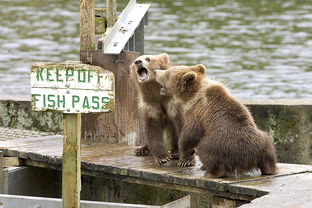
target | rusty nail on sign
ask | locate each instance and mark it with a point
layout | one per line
(72, 88)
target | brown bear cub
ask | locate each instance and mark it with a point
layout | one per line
(219, 126)
(159, 112)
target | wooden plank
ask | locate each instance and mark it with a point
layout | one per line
(284, 192)
(30, 142)
(70, 76)
(71, 176)
(73, 100)
(87, 24)
(12, 161)
(119, 160)
(1, 174)
(111, 12)
(71, 88)
(123, 123)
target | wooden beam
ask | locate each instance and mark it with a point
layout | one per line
(87, 24)
(11, 161)
(1, 174)
(71, 181)
(111, 12)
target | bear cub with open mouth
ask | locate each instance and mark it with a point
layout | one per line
(159, 112)
(217, 125)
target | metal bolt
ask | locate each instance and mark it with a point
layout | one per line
(67, 91)
(115, 43)
(123, 30)
(67, 85)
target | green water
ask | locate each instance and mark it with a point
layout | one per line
(258, 48)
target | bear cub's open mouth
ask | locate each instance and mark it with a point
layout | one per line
(142, 74)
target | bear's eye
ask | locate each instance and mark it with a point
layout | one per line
(147, 59)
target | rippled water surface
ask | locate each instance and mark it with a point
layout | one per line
(260, 48)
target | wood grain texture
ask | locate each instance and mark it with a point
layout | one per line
(100, 21)
(111, 12)
(122, 125)
(292, 185)
(11, 161)
(87, 24)
(1, 174)
(71, 174)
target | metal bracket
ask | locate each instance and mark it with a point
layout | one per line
(124, 27)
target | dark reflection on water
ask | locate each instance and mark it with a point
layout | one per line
(260, 49)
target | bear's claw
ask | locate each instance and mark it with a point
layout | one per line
(186, 163)
(162, 160)
(142, 151)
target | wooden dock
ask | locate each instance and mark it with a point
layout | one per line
(291, 187)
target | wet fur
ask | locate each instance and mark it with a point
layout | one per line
(159, 113)
(224, 133)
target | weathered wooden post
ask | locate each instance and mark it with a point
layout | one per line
(71, 174)
(1, 174)
(111, 12)
(121, 43)
(72, 89)
(87, 24)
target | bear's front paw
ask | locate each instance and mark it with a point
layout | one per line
(162, 160)
(142, 151)
(187, 162)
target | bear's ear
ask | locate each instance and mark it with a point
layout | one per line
(164, 60)
(189, 78)
(165, 57)
(199, 68)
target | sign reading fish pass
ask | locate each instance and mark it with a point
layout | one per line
(72, 88)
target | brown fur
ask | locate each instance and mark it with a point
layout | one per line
(219, 126)
(159, 112)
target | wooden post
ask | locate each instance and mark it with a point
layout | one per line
(73, 98)
(71, 175)
(111, 12)
(1, 174)
(71, 178)
(87, 24)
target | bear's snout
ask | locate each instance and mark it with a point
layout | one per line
(138, 62)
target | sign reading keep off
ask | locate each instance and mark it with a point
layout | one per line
(72, 88)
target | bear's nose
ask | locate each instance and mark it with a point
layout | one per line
(137, 62)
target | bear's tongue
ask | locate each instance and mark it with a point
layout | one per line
(142, 74)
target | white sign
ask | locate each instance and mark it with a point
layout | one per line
(72, 88)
